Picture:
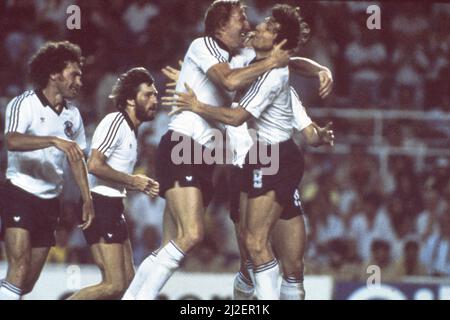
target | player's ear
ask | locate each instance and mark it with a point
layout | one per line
(54, 76)
(131, 102)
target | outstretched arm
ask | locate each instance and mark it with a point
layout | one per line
(317, 136)
(187, 101)
(309, 68)
(233, 79)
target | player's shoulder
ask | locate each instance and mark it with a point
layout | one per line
(72, 107)
(113, 119)
(23, 99)
(277, 76)
(207, 44)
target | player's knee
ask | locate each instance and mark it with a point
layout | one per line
(193, 237)
(116, 289)
(292, 268)
(254, 244)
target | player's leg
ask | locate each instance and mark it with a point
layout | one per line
(262, 213)
(186, 205)
(18, 255)
(128, 261)
(110, 259)
(289, 241)
(243, 285)
(38, 258)
(169, 233)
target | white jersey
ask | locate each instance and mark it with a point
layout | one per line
(40, 172)
(202, 54)
(240, 140)
(301, 118)
(116, 138)
(268, 100)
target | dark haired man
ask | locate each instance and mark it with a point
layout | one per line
(267, 103)
(111, 164)
(41, 128)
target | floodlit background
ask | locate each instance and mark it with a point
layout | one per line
(379, 197)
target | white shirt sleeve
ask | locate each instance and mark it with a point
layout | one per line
(301, 118)
(262, 93)
(206, 53)
(18, 116)
(108, 134)
(80, 136)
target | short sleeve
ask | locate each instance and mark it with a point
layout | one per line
(205, 53)
(262, 93)
(301, 118)
(108, 134)
(18, 115)
(80, 136)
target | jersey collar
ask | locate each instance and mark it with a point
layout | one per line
(44, 101)
(130, 123)
(223, 46)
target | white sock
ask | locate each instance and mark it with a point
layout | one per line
(292, 289)
(266, 281)
(243, 289)
(165, 263)
(139, 278)
(9, 291)
(250, 271)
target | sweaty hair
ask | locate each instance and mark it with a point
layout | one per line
(292, 26)
(218, 14)
(52, 58)
(127, 86)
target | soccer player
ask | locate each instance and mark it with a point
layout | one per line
(111, 163)
(267, 103)
(187, 187)
(289, 234)
(42, 128)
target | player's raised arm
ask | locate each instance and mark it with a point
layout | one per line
(234, 79)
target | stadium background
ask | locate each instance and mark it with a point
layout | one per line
(380, 197)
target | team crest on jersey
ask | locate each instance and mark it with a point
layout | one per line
(257, 179)
(68, 129)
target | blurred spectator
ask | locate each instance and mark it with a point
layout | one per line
(149, 241)
(60, 252)
(409, 264)
(372, 223)
(139, 14)
(366, 58)
(381, 257)
(435, 253)
(340, 265)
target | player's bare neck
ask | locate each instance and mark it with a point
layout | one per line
(261, 54)
(54, 98)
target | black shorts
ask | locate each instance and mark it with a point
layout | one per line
(24, 210)
(109, 222)
(284, 182)
(293, 209)
(186, 173)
